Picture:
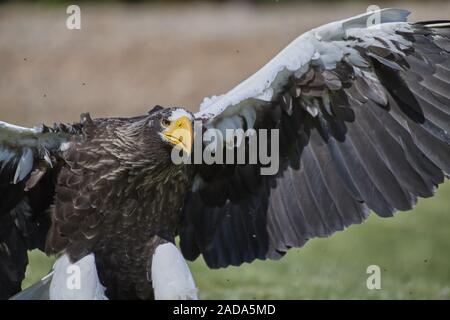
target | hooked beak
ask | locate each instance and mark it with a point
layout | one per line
(180, 134)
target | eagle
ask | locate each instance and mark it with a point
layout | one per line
(362, 112)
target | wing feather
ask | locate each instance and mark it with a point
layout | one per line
(363, 119)
(28, 166)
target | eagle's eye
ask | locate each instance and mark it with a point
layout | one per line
(165, 122)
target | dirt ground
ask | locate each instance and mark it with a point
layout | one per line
(126, 59)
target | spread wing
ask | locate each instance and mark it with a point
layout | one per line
(364, 118)
(28, 166)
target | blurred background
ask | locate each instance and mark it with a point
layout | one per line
(131, 55)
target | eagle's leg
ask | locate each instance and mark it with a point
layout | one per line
(171, 277)
(76, 281)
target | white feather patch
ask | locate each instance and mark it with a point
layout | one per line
(76, 281)
(178, 113)
(171, 277)
(64, 146)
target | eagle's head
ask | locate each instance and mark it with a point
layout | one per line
(175, 127)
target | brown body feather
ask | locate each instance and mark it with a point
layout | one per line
(116, 195)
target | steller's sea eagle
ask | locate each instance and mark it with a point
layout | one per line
(363, 113)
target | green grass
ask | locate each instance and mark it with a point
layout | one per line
(412, 250)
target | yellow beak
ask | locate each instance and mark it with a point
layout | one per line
(180, 134)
